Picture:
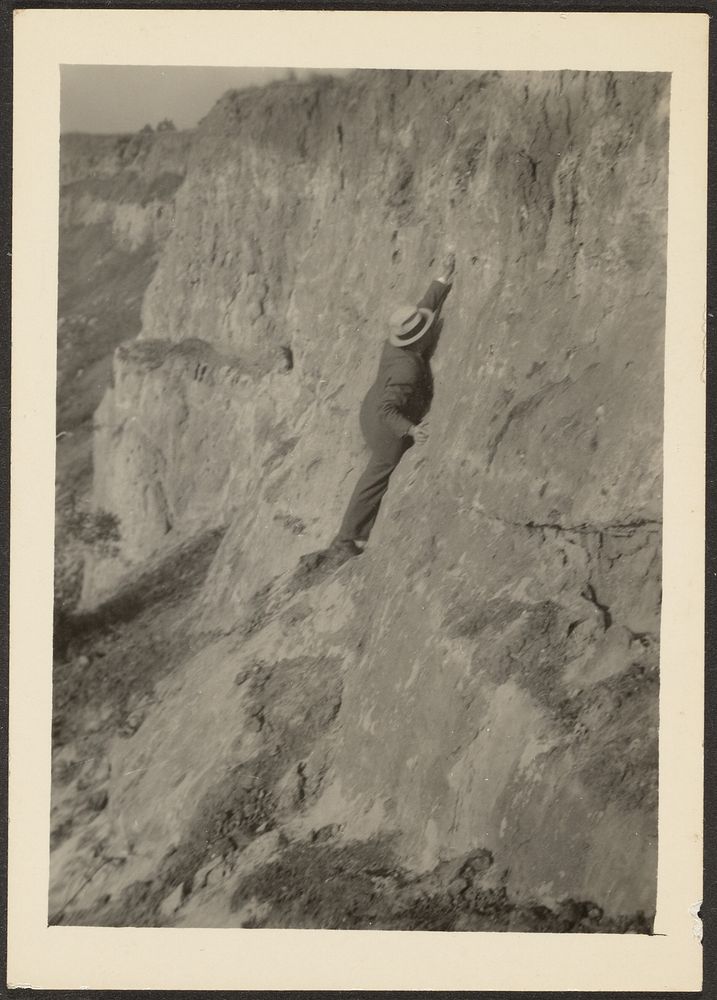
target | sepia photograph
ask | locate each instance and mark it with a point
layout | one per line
(358, 537)
(361, 616)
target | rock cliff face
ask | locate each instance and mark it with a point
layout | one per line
(116, 210)
(458, 728)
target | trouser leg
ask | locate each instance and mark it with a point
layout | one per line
(369, 491)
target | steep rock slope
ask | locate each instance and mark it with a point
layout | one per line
(458, 729)
(116, 210)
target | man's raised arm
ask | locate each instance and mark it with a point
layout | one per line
(439, 287)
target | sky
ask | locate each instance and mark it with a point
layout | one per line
(124, 98)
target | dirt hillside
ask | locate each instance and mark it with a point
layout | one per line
(456, 730)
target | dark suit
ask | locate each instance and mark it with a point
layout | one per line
(399, 398)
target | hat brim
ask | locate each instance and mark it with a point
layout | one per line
(428, 317)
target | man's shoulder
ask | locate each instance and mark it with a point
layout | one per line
(399, 361)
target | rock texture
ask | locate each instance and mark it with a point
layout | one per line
(116, 210)
(459, 727)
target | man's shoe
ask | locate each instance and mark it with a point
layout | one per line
(334, 556)
(346, 547)
(340, 551)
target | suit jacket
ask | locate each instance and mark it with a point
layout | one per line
(403, 388)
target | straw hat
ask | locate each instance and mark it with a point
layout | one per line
(408, 324)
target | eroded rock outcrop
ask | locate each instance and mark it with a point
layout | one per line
(116, 211)
(476, 695)
(126, 181)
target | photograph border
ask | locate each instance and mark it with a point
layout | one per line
(33, 224)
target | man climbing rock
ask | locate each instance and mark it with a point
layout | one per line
(392, 414)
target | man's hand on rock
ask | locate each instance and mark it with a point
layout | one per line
(419, 432)
(449, 267)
